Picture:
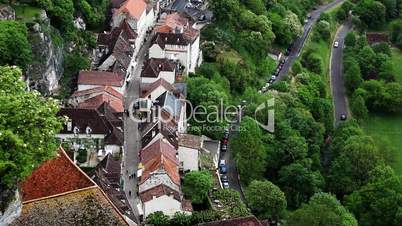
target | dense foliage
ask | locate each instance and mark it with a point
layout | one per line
(196, 185)
(27, 128)
(14, 46)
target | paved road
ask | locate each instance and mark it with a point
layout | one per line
(132, 139)
(299, 42)
(336, 67)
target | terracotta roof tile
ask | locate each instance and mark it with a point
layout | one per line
(101, 89)
(94, 102)
(55, 176)
(134, 8)
(89, 206)
(148, 89)
(101, 78)
(158, 191)
(376, 37)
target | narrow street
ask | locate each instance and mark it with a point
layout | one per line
(299, 42)
(336, 68)
(132, 138)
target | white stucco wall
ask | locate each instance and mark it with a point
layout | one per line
(195, 52)
(189, 158)
(113, 149)
(169, 76)
(168, 205)
(156, 179)
(155, 51)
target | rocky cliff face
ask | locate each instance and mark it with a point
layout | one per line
(13, 209)
(47, 66)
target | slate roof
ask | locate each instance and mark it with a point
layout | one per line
(242, 221)
(134, 8)
(55, 176)
(153, 66)
(102, 78)
(171, 104)
(163, 39)
(107, 176)
(101, 120)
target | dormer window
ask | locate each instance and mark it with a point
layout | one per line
(69, 125)
(76, 130)
(88, 131)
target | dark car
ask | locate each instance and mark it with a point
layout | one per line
(224, 141)
(224, 147)
(223, 169)
(224, 178)
(343, 117)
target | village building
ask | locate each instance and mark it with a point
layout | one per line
(155, 69)
(94, 79)
(59, 193)
(93, 98)
(97, 131)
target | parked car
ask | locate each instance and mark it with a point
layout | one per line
(224, 178)
(336, 44)
(224, 141)
(222, 162)
(343, 117)
(264, 89)
(225, 185)
(224, 147)
(223, 169)
(271, 81)
(273, 77)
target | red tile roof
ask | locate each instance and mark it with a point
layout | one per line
(160, 156)
(147, 90)
(376, 37)
(101, 89)
(96, 101)
(158, 191)
(134, 8)
(55, 176)
(102, 78)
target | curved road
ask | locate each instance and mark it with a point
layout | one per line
(336, 70)
(299, 42)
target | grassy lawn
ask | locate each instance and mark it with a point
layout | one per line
(26, 13)
(397, 64)
(387, 131)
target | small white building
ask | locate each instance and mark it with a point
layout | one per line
(189, 147)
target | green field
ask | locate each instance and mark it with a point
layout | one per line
(387, 132)
(397, 64)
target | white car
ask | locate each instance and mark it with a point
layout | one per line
(222, 162)
(225, 185)
(273, 77)
(336, 44)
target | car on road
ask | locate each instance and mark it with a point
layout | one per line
(306, 21)
(223, 169)
(271, 81)
(343, 117)
(222, 162)
(273, 77)
(225, 185)
(264, 89)
(336, 44)
(224, 141)
(224, 147)
(224, 178)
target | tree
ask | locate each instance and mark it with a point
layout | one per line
(158, 218)
(265, 199)
(349, 170)
(257, 6)
(322, 209)
(312, 61)
(14, 46)
(292, 24)
(248, 151)
(353, 78)
(181, 219)
(299, 183)
(28, 127)
(380, 201)
(350, 39)
(396, 33)
(367, 61)
(196, 185)
(359, 108)
(371, 12)
(324, 29)
(225, 10)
